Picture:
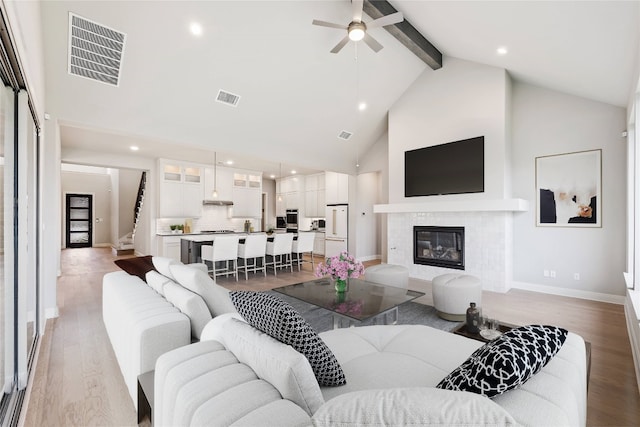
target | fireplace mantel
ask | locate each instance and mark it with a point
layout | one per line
(501, 205)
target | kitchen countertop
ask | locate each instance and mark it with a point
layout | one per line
(210, 236)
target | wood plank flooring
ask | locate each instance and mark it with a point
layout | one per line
(78, 383)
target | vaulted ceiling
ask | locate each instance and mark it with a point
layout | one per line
(296, 96)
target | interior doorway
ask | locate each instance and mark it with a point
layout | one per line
(79, 208)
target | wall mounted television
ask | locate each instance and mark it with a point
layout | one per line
(452, 168)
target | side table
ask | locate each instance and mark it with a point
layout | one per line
(145, 396)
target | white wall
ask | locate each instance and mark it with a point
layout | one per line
(462, 100)
(547, 122)
(366, 196)
(114, 175)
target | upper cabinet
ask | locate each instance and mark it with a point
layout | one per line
(180, 188)
(247, 194)
(314, 198)
(290, 190)
(337, 188)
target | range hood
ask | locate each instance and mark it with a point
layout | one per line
(217, 203)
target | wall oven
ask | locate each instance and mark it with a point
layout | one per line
(292, 220)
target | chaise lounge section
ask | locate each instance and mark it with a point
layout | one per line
(239, 375)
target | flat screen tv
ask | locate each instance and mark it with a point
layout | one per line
(452, 168)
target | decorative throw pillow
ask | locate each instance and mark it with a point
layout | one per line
(136, 266)
(278, 319)
(506, 362)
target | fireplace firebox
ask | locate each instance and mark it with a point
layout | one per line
(439, 246)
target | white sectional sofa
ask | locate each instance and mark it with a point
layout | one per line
(145, 320)
(240, 376)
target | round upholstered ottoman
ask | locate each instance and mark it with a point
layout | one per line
(452, 294)
(388, 274)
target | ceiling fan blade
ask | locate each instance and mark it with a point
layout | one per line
(394, 18)
(372, 43)
(356, 8)
(340, 45)
(328, 24)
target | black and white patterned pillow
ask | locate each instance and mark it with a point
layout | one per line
(280, 320)
(506, 362)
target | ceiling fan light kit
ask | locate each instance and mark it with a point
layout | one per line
(356, 31)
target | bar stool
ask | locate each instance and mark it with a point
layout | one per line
(224, 249)
(303, 245)
(254, 247)
(280, 251)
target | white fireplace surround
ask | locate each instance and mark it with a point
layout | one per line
(488, 228)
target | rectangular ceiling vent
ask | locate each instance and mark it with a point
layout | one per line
(228, 98)
(345, 135)
(95, 51)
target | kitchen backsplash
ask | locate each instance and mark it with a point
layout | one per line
(213, 218)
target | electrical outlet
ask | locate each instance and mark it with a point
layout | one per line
(552, 273)
(546, 273)
(576, 276)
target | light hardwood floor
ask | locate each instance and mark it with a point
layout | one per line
(77, 381)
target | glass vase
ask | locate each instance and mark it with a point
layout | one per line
(340, 285)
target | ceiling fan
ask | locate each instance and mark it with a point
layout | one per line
(357, 30)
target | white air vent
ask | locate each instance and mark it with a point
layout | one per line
(345, 135)
(95, 51)
(228, 98)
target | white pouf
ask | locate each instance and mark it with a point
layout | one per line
(388, 274)
(452, 294)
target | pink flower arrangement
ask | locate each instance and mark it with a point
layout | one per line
(340, 267)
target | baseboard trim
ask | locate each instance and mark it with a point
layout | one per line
(51, 312)
(633, 328)
(594, 296)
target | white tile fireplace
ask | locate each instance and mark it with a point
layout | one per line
(488, 235)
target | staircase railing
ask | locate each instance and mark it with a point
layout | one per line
(139, 202)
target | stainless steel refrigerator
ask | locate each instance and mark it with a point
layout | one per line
(336, 229)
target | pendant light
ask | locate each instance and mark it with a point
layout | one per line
(215, 175)
(280, 176)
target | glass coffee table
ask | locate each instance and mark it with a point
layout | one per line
(360, 302)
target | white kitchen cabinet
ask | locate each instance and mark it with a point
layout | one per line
(180, 191)
(337, 187)
(314, 201)
(247, 194)
(281, 207)
(171, 247)
(318, 244)
(222, 181)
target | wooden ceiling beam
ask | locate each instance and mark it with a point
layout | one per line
(406, 33)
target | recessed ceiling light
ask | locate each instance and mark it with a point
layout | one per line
(272, 176)
(229, 162)
(196, 29)
(501, 50)
(134, 148)
(362, 106)
(293, 172)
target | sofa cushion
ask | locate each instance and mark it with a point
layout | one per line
(411, 407)
(190, 304)
(136, 266)
(215, 296)
(163, 264)
(157, 281)
(506, 362)
(275, 317)
(275, 362)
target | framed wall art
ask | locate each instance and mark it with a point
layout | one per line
(569, 190)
